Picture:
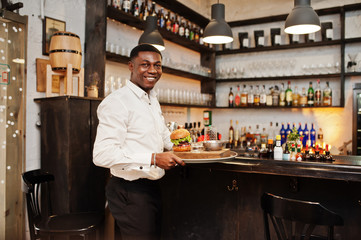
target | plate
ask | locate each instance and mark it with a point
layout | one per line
(211, 160)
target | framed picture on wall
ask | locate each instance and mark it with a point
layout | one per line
(50, 26)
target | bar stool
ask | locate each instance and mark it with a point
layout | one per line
(295, 219)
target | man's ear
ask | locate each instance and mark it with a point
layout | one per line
(130, 66)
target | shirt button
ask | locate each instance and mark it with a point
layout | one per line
(140, 167)
(122, 168)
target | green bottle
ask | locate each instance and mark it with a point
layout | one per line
(310, 96)
(289, 95)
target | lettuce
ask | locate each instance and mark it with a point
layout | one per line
(177, 141)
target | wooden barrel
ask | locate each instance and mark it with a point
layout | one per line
(65, 48)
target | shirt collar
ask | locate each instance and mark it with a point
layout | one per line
(138, 91)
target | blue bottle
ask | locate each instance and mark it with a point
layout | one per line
(306, 134)
(288, 129)
(283, 134)
(313, 135)
(300, 131)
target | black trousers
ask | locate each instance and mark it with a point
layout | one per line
(136, 207)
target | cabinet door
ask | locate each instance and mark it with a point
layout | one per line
(199, 205)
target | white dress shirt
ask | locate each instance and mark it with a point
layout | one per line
(131, 128)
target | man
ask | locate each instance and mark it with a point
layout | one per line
(130, 140)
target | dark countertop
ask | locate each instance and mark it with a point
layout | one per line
(347, 168)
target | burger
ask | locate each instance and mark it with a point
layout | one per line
(181, 139)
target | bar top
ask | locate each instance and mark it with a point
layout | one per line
(347, 168)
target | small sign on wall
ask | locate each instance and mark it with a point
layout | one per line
(4, 74)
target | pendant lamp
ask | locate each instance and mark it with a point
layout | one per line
(218, 31)
(151, 34)
(303, 19)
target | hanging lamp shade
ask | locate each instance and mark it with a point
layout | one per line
(151, 34)
(303, 19)
(218, 31)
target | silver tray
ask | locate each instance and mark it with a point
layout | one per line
(211, 160)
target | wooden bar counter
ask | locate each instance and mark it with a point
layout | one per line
(222, 200)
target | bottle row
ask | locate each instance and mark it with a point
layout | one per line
(255, 96)
(166, 18)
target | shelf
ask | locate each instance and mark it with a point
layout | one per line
(126, 18)
(353, 40)
(298, 77)
(184, 105)
(280, 47)
(350, 74)
(273, 107)
(124, 60)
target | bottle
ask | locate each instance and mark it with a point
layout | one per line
(249, 135)
(310, 96)
(282, 96)
(186, 29)
(236, 136)
(126, 6)
(286, 154)
(275, 96)
(152, 11)
(175, 26)
(318, 157)
(263, 152)
(306, 134)
(293, 153)
(288, 130)
(181, 31)
(257, 136)
(168, 22)
(256, 96)
(295, 97)
(307, 156)
(262, 96)
(237, 99)
(250, 100)
(319, 141)
(300, 131)
(283, 134)
(243, 140)
(303, 98)
(270, 149)
(264, 136)
(161, 18)
(269, 97)
(278, 151)
(318, 95)
(289, 95)
(276, 131)
(230, 98)
(327, 95)
(191, 32)
(201, 42)
(299, 154)
(271, 132)
(196, 34)
(144, 10)
(231, 134)
(135, 8)
(312, 135)
(244, 97)
(328, 157)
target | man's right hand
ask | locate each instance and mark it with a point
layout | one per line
(167, 160)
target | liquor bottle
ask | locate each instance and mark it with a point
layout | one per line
(262, 96)
(310, 96)
(249, 135)
(306, 134)
(237, 99)
(256, 96)
(236, 136)
(175, 26)
(288, 130)
(293, 153)
(196, 34)
(275, 96)
(244, 97)
(186, 29)
(116, 4)
(327, 95)
(282, 96)
(313, 135)
(269, 97)
(276, 131)
(257, 136)
(289, 95)
(303, 98)
(270, 149)
(299, 154)
(295, 97)
(181, 31)
(263, 152)
(307, 156)
(191, 32)
(278, 151)
(328, 156)
(283, 134)
(250, 100)
(264, 136)
(168, 22)
(230, 98)
(286, 154)
(152, 11)
(126, 6)
(271, 132)
(134, 10)
(243, 140)
(231, 134)
(318, 95)
(161, 18)
(318, 157)
(300, 131)
(319, 141)
(201, 42)
(144, 10)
